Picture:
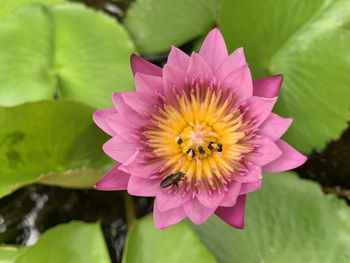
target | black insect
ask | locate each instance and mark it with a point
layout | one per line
(172, 179)
(180, 141)
(201, 150)
(210, 146)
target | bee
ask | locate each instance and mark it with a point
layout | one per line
(172, 179)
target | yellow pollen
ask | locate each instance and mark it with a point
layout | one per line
(201, 136)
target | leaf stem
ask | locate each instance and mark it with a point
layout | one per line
(129, 209)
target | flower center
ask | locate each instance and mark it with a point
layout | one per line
(202, 135)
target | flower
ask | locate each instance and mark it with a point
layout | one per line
(196, 134)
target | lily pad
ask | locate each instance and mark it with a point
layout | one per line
(92, 57)
(155, 25)
(8, 6)
(308, 42)
(49, 51)
(174, 245)
(289, 220)
(70, 243)
(9, 254)
(40, 140)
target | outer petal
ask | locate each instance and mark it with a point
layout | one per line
(143, 187)
(151, 85)
(174, 82)
(240, 82)
(266, 152)
(178, 58)
(197, 212)
(231, 195)
(169, 200)
(289, 159)
(139, 168)
(257, 109)
(140, 102)
(230, 63)
(211, 201)
(250, 187)
(140, 65)
(268, 87)
(275, 126)
(100, 118)
(125, 110)
(113, 180)
(234, 216)
(252, 174)
(198, 69)
(167, 218)
(214, 49)
(118, 149)
(124, 127)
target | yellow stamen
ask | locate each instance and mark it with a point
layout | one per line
(202, 136)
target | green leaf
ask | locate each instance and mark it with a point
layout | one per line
(8, 6)
(69, 243)
(40, 140)
(26, 57)
(9, 254)
(308, 42)
(155, 25)
(289, 220)
(91, 61)
(174, 245)
(61, 56)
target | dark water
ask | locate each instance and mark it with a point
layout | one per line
(32, 210)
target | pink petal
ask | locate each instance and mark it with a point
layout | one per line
(143, 187)
(100, 118)
(113, 180)
(197, 212)
(151, 85)
(230, 63)
(168, 200)
(252, 174)
(140, 102)
(257, 109)
(125, 109)
(164, 219)
(274, 126)
(266, 152)
(174, 82)
(211, 201)
(123, 127)
(289, 159)
(178, 58)
(139, 168)
(250, 187)
(214, 49)
(198, 69)
(118, 149)
(240, 82)
(140, 65)
(267, 87)
(234, 216)
(231, 195)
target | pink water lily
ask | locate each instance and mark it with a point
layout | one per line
(196, 134)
